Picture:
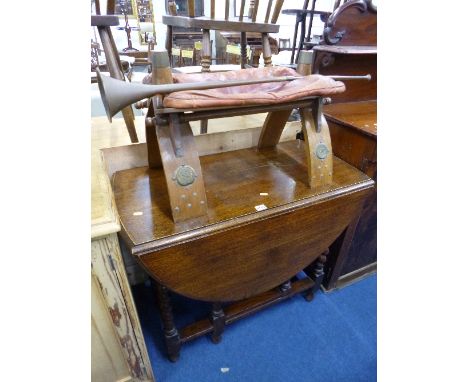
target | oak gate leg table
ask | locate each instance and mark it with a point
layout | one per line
(233, 228)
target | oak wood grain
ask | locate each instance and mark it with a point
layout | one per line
(320, 171)
(239, 252)
(361, 116)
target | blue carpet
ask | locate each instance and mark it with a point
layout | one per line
(332, 338)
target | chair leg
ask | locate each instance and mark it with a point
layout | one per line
(128, 118)
(203, 126)
(266, 50)
(293, 48)
(301, 38)
(243, 49)
(206, 51)
(115, 69)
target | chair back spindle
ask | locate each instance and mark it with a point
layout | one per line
(172, 8)
(226, 10)
(241, 12)
(254, 11)
(276, 11)
(268, 11)
(191, 8)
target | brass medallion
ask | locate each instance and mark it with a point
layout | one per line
(185, 175)
(321, 150)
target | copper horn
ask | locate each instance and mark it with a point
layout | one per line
(117, 94)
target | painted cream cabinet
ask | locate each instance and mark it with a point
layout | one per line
(118, 351)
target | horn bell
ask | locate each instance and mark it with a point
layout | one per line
(117, 94)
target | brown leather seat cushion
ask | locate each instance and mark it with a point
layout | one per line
(256, 94)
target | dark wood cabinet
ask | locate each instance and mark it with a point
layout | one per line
(354, 254)
(349, 48)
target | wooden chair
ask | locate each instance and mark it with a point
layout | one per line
(233, 55)
(301, 20)
(254, 41)
(103, 24)
(227, 24)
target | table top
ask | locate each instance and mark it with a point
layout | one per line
(235, 183)
(264, 224)
(104, 217)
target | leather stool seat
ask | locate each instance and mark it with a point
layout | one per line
(255, 94)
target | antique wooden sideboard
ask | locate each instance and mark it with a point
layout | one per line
(350, 37)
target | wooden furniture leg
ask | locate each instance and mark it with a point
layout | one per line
(285, 287)
(243, 49)
(154, 156)
(218, 320)
(311, 21)
(206, 63)
(272, 128)
(206, 51)
(182, 170)
(346, 244)
(171, 334)
(316, 273)
(318, 146)
(302, 35)
(276, 120)
(316, 135)
(160, 74)
(203, 126)
(115, 69)
(266, 50)
(169, 41)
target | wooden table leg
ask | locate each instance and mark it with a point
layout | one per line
(218, 320)
(285, 287)
(171, 334)
(316, 273)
